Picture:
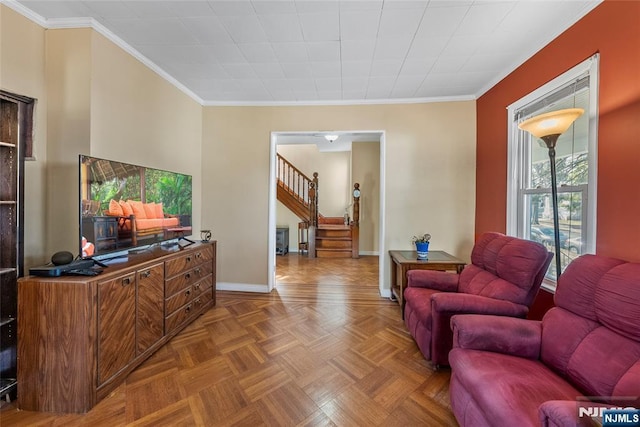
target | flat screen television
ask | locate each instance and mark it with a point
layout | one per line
(126, 207)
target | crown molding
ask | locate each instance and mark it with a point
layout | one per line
(24, 11)
(69, 23)
(339, 102)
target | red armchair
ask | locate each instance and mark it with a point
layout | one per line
(503, 279)
(507, 371)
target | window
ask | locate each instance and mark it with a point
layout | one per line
(529, 204)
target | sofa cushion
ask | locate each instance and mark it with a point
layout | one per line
(115, 209)
(159, 211)
(149, 210)
(138, 209)
(126, 208)
(577, 284)
(595, 325)
(508, 389)
(148, 224)
(503, 267)
(170, 222)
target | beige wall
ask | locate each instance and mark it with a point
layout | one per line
(68, 73)
(366, 171)
(87, 101)
(429, 182)
(93, 98)
(22, 63)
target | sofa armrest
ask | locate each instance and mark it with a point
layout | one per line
(564, 413)
(432, 279)
(499, 334)
(455, 303)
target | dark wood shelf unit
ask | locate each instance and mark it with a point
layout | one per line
(11, 237)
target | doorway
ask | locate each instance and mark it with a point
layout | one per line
(314, 137)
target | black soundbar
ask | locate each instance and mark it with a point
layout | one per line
(59, 270)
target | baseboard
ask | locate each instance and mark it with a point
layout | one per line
(363, 253)
(385, 293)
(369, 253)
(241, 287)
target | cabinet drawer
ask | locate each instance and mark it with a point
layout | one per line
(186, 312)
(178, 317)
(186, 278)
(188, 261)
(187, 294)
(203, 286)
(201, 300)
(178, 300)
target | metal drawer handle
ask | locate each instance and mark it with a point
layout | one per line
(188, 259)
(126, 281)
(197, 286)
(187, 292)
(187, 308)
(197, 271)
(145, 274)
(198, 255)
(187, 276)
(198, 302)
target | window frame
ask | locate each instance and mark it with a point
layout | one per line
(517, 155)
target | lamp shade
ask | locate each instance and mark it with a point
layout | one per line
(552, 123)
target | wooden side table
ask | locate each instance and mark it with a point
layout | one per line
(403, 261)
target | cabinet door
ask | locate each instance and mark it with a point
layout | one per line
(116, 325)
(150, 307)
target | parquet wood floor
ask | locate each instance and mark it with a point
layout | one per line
(323, 349)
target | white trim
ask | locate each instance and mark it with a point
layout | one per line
(592, 194)
(338, 102)
(66, 23)
(514, 156)
(271, 239)
(242, 287)
(25, 11)
(513, 153)
(271, 263)
(382, 259)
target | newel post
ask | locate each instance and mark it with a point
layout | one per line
(355, 223)
(313, 220)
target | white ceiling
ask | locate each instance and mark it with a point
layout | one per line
(313, 52)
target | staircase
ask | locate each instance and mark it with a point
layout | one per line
(333, 241)
(328, 237)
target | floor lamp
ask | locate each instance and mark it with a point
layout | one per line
(548, 127)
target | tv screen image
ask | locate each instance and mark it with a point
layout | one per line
(125, 206)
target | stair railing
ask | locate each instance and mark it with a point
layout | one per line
(292, 179)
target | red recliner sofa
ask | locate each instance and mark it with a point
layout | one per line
(503, 279)
(507, 371)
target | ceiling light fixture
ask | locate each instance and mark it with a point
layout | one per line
(330, 137)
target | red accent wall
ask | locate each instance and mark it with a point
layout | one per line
(613, 30)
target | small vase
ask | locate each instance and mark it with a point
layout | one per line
(423, 249)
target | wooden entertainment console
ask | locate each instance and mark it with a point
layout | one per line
(80, 336)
